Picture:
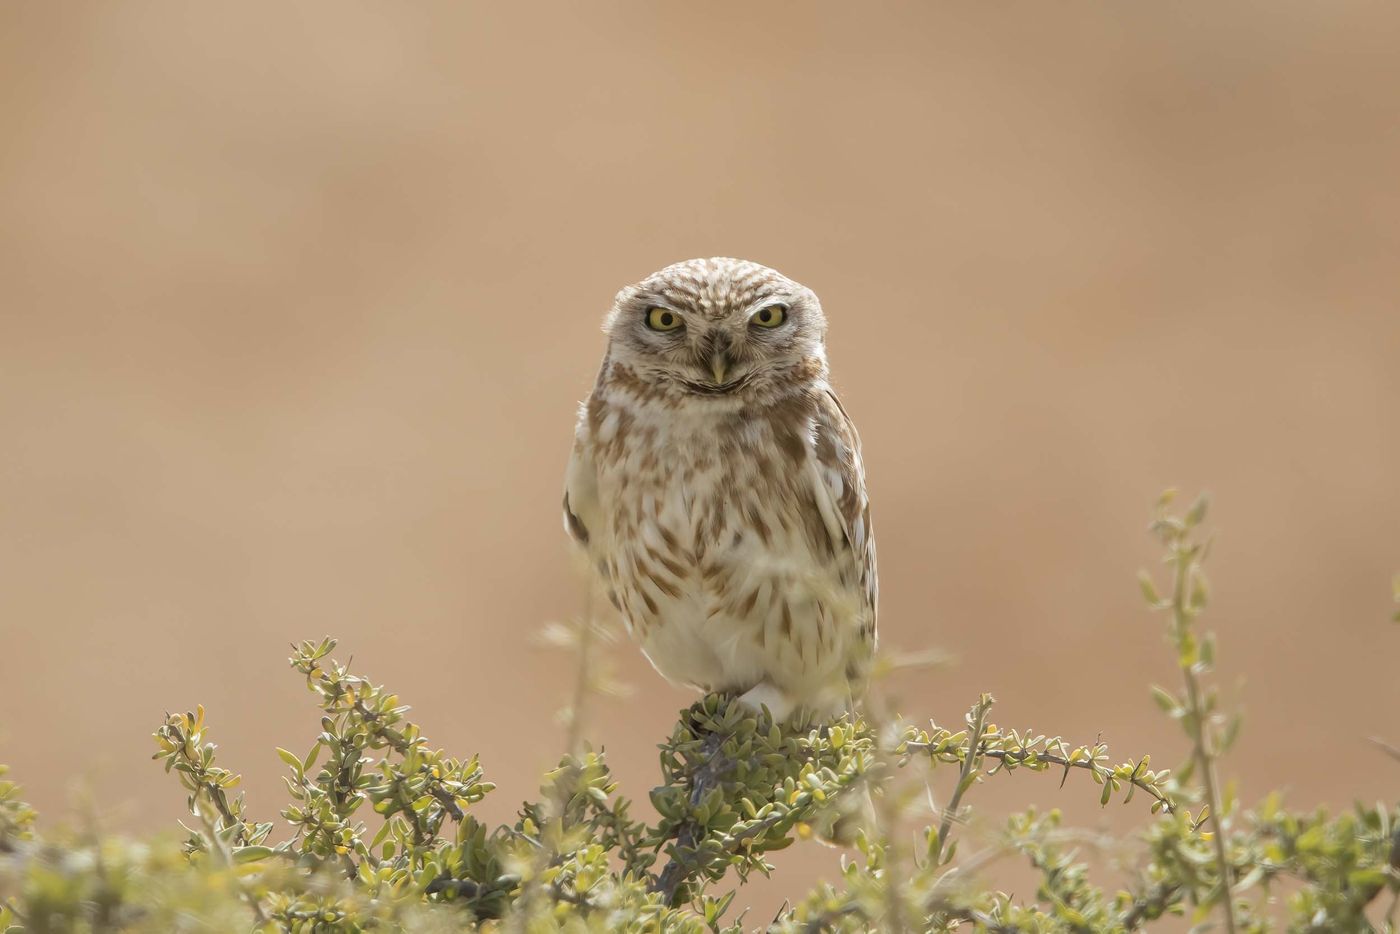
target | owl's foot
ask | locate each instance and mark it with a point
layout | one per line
(763, 694)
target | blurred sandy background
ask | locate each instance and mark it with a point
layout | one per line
(297, 301)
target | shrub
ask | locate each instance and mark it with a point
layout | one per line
(380, 832)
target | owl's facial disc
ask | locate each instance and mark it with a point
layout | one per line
(718, 329)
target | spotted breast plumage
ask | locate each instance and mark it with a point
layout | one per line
(716, 485)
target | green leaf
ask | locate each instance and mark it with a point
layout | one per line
(1149, 589)
(251, 854)
(1197, 512)
(1188, 653)
(1367, 879)
(1231, 732)
(1166, 700)
(291, 760)
(1200, 590)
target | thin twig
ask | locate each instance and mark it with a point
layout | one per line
(1155, 900)
(1020, 756)
(575, 715)
(1395, 867)
(969, 767)
(216, 797)
(1387, 748)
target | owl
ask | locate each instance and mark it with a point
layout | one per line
(717, 488)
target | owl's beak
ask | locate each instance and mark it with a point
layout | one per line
(719, 366)
(719, 357)
(722, 365)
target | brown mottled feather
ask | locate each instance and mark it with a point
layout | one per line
(729, 520)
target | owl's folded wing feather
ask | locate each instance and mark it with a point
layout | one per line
(841, 496)
(580, 494)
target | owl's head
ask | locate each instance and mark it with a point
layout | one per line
(718, 329)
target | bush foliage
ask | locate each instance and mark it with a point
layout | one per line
(378, 832)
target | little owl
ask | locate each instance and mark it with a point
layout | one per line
(717, 488)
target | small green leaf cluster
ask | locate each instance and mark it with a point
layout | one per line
(16, 817)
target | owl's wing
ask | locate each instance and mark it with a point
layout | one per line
(842, 499)
(581, 491)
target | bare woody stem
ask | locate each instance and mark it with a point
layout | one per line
(1151, 903)
(679, 870)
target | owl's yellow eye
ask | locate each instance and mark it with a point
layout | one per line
(769, 316)
(662, 319)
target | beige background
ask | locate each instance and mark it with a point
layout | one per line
(297, 301)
